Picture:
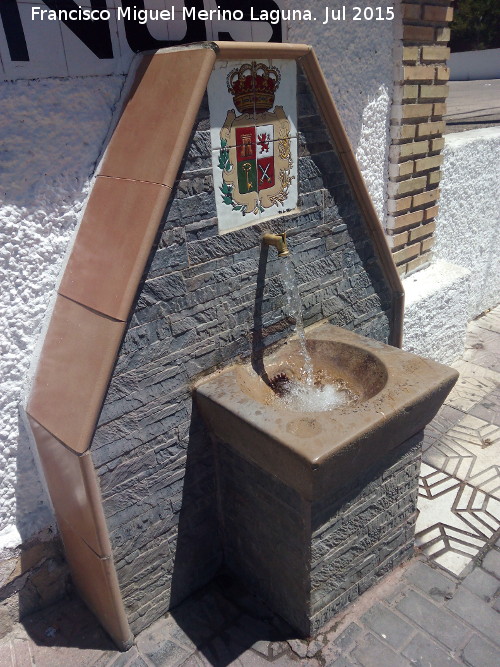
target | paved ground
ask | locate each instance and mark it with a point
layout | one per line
(441, 609)
(472, 105)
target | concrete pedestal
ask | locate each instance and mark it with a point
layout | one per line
(316, 506)
(307, 559)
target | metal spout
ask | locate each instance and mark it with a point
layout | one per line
(278, 241)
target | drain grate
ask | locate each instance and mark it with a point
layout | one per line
(278, 383)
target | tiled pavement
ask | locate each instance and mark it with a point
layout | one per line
(441, 609)
(460, 475)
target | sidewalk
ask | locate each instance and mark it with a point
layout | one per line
(441, 609)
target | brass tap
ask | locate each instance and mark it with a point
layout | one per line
(278, 241)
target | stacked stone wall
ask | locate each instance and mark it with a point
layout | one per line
(208, 300)
(266, 535)
(361, 539)
(307, 559)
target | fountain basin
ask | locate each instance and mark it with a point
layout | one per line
(315, 507)
(313, 452)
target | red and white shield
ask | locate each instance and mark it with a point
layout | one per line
(265, 156)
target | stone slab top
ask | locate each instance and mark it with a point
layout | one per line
(317, 451)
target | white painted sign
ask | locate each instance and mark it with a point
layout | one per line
(58, 38)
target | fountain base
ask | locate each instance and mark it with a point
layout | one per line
(317, 505)
(306, 559)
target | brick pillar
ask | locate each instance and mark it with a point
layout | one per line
(417, 127)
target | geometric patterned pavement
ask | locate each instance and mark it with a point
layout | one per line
(459, 499)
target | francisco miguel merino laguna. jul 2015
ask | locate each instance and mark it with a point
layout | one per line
(272, 16)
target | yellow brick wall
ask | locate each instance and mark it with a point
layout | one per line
(417, 127)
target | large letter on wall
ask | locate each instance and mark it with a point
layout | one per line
(16, 41)
(140, 39)
(255, 7)
(94, 34)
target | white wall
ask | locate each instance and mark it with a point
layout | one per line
(464, 279)
(474, 65)
(435, 319)
(70, 56)
(468, 223)
(52, 132)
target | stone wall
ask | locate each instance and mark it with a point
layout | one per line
(207, 300)
(59, 116)
(308, 560)
(365, 531)
(266, 533)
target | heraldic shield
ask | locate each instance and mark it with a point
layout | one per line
(255, 153)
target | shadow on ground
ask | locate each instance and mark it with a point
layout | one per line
(215, 626)
(67, 623)
(224, 620)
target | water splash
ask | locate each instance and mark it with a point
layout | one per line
(294, 310)
(300, 397)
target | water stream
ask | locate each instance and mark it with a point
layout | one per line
(309, 394)
(294, 310)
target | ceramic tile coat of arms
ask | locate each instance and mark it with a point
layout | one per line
(253, 125)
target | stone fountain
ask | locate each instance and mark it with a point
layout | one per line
(168, 283)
